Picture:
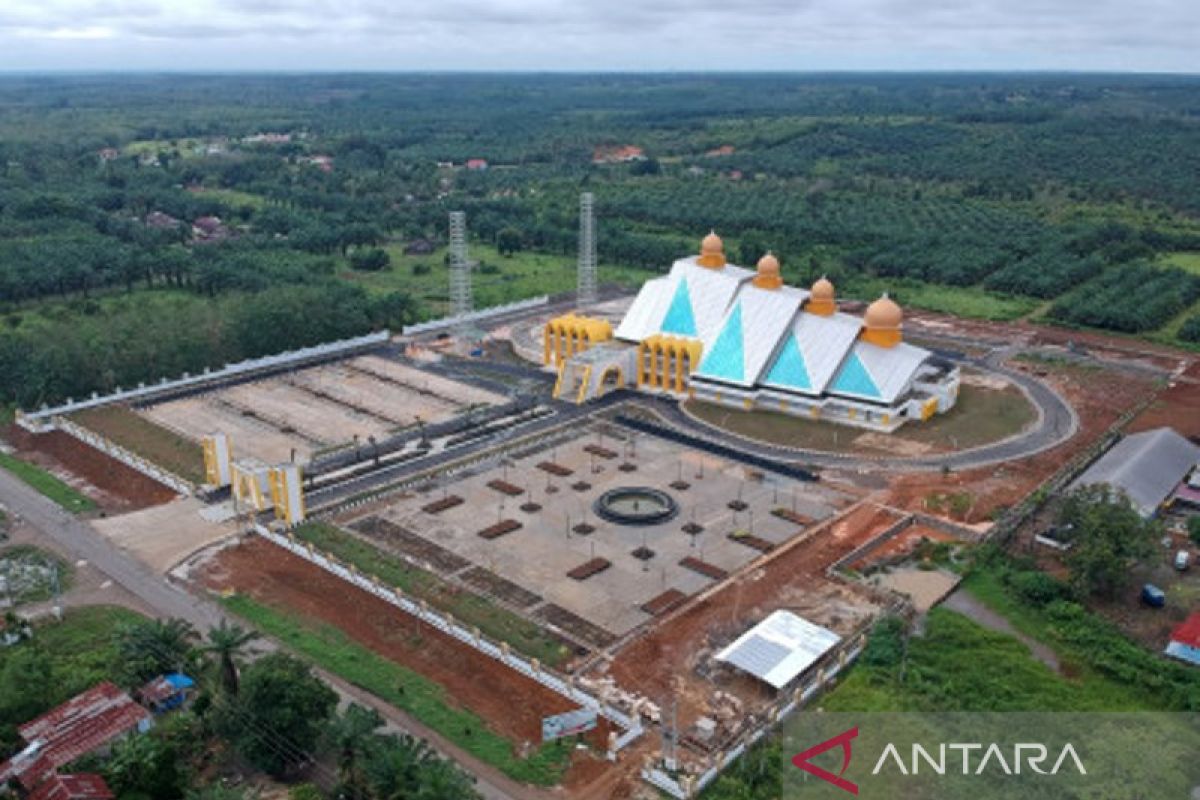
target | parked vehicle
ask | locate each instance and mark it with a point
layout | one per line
(1183, 560)
(1153, 596)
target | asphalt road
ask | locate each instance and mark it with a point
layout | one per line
(80, 541)
(1056, 423)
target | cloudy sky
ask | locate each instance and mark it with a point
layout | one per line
(1140, 35)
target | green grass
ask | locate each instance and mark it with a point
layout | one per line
(958, 665)
(471, 609)
(47, 484)
(331, 649)
(147, 439)
(80, 648)
(980, 416)
(524, 274)
(1184, 259)
(28, 554)
(961, 301)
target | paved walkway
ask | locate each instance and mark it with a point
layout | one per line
(966, 604)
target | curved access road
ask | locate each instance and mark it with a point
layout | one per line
(1056, 423)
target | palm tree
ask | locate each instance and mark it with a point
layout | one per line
(152, 647)
(350, 735)
(226, 642)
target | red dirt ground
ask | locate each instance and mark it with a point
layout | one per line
(115, 487)
(652, 664)
(512, 704)
(1098, 342)
(1177, 406)
(1099, 397)
(902, 544)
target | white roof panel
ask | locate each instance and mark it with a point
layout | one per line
(780, 648)
(757, 320)
(892, 368)
(711, 291)
(645, 315)
(823, 343)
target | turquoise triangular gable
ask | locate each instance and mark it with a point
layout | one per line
(854, 378)
(679, 319)
(789, 368)
(726, 359)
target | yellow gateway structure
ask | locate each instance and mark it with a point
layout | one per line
(739, 337)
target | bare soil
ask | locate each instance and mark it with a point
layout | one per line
(1099, 396)
(511, 704)
(115, 487)
(666, 657)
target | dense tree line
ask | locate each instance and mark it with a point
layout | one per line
(104, 346)
(1028, 186)
(1131, 298)
(272, 712)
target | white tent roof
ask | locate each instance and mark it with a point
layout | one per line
(780, 648)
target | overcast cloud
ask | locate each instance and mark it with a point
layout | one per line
(1142, 35)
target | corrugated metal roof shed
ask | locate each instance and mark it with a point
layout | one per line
(84, 786)
(1146, 466)
(84, 723)
(1185, 641)
(780, 648)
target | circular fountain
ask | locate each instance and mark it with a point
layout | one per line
(636, 505)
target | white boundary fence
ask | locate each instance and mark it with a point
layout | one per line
(630, 724)
(475, 316)
(127, 458)
(43, 419)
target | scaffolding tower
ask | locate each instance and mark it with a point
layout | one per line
(586, 291)
(462, 301)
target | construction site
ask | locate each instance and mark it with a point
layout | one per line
(600, 523)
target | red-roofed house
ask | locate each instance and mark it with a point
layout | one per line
(1185, 640)
(617, 154)
(477, 163)
(85, 723)
(73, 787)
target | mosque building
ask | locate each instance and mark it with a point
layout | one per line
(718, 332)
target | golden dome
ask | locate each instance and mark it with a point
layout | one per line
(821, 298)
(883, 313)
(768, 276)
(882, 322)
(712, 251)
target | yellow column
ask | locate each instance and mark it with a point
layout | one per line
(546, 334)
(679, 352)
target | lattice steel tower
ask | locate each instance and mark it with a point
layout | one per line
(462, 301)
(586, 292)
